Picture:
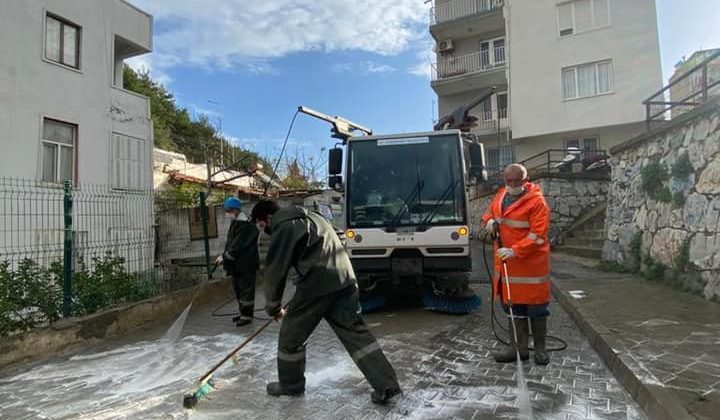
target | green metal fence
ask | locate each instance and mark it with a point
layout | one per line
(70, 250)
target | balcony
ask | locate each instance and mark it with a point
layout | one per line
(467, 72)
(476, 16)
(491, 122)
(458, 9)
(130, 113)
(132, 24)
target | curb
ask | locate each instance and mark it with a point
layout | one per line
(656, 403)
(69, 333)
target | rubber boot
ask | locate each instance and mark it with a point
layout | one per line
(539, 332)
(390, 396)
(510, 354)
(277, 389)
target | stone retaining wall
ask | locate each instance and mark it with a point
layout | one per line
(568, 196)
(664, 202)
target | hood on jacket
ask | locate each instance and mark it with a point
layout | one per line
(288, 213)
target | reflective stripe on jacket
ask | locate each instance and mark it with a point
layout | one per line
(524, 227)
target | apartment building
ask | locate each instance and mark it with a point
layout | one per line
(565, 73)
(64, 114)
(684, 87)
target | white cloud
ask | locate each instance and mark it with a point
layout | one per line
(424, 55)
(363, 67)
(151, 63)
(228, 34)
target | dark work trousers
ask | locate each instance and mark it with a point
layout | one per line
(244, 286)
(342, 311)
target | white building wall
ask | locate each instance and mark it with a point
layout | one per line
(537, 55)
(607, 138)
(32, 87)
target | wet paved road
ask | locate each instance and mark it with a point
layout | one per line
(444, 364)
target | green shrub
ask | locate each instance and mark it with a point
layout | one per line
(682, 167)
(107, 285)
(635, 253)
(31, 295)
(654, 270)
(678, 200)
(612, 267)
(654, 176)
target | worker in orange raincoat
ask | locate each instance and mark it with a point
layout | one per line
(520, 217)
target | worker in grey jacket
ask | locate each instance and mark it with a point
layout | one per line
(326, 288)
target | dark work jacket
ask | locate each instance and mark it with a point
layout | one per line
(241, 249)
(307, 242)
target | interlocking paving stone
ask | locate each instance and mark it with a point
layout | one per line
(444, 364)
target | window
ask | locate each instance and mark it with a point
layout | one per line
(492, 53)
(502, 100)
(128, 162)
(587, 80)
(499, 157)
(62, 41)
(582, 143)
(582, 15)
(58, 151)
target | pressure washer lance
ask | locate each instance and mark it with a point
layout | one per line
(510, 307)
(205, 384)
(493, 316)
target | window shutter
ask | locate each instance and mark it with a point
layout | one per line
(583, 15)
(565, 19)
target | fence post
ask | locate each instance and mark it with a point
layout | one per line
(68, 249)
(206, 233)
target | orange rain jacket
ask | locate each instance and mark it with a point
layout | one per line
(524, 227)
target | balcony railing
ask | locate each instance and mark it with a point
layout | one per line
(696, 86)
(478, 62)
(492, 121)
(462, 8)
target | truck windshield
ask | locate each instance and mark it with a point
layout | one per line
(406, 182)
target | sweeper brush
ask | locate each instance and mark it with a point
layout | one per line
(205, 384)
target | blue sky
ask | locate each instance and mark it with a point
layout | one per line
(361, 59)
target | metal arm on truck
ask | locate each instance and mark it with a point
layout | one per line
(342, 128)
(459, 119)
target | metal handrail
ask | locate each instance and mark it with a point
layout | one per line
(666, 105)
(546, 164)
(461, 8)
(472, 63)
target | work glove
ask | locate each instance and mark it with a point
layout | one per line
(274, 311)
(219, 260)
(492, 226)
(505, 253)
(280, 315)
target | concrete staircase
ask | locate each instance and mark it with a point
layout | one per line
(585, 237)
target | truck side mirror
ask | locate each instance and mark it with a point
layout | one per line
(335, 161)
(478, 169)
(336, 182)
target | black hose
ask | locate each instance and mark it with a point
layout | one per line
(222, 305)
(493, 315)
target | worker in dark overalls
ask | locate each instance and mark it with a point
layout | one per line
(241, 259)
(326, 289)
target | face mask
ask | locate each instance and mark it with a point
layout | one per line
(514, 190)
(268, 231)
(242, 217)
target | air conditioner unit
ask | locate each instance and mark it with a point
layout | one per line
(446, 45)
